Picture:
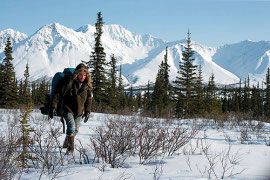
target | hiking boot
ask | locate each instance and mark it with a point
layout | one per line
(65, 145)
(70, 148)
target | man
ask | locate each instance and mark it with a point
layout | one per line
(74, 93)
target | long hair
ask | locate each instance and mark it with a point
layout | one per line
(82, 68)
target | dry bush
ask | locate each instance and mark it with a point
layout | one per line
(84, 157)
(114, 142)
(46, 151)
(119, 139)
(267, 139)
(224, 160)
(178, 137)
(10, 141)
(150, 143)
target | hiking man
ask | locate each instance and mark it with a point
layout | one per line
(74, 95)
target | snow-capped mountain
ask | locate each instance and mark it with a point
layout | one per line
(245, 59)
(15, 37)
(54, 47)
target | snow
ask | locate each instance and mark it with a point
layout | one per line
(244, 58)
(189, 162)
(54, 47)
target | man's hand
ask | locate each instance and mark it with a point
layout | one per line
(52, 113)
(86, 116)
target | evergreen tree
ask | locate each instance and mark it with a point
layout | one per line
(199, 104)
(2, 78)
(8, 89)
(112, 91)
(21, 98)
(267, 94)
(147, 99)
(225, 101)
(25, 137)
(26, 90)
(239, 95)
(97, 64)
(139, 99)
(212, 102)
(120, 92)
(246, 97)
(34, 93)
(257, 102)
(185, 82)
(167, 99)
(131, 102)
(159, 94)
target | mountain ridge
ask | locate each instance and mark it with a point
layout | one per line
(54, 46)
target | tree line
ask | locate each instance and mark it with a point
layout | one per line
(186, 96)
(14, 93)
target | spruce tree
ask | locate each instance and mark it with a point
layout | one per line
(267, 94)
(167, 99)
(139, 100)
(147, 99)
(9, 82)
(120, 92)
(225, 101)
(131, 100)
(246, 97)
(257, 103)
(26, 89)
(97, 65)
(34, 93)
(212, 102)
(21, 97)
(199, 105)
(184, 84)
(112, 91)
(159, 94)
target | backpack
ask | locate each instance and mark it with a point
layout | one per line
(57, 78)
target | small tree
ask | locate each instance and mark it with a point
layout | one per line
(25, 138)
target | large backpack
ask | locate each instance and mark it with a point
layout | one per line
(57, 78)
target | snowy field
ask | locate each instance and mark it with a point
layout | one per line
(229, 150)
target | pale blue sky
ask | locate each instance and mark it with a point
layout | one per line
(211, 22)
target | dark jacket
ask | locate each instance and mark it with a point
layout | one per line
(72, 96)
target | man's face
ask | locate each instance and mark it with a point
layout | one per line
(82, 76)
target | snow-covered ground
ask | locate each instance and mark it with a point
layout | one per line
(215, 150)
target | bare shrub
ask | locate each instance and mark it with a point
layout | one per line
(223, 160)
(189, 149)
(84, 157)
(178, 137)
(267, 139)
(114, 142)
(47, 155)
(150, 143)
(158, 168)
(244, 136)
(227, 137)
(10, 166)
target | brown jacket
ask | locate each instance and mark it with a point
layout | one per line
(74, 97)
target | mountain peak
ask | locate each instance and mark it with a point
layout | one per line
(15, 36)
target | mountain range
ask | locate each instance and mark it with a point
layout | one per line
(54, 47)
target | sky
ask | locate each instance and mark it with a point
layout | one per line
(211, 22)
